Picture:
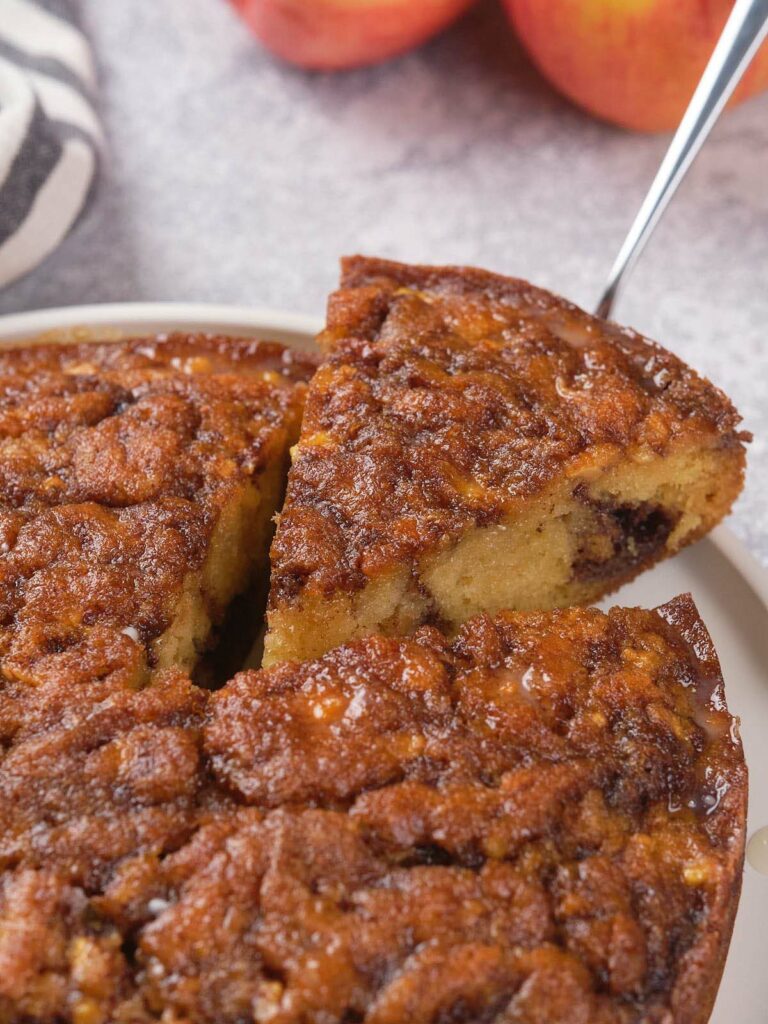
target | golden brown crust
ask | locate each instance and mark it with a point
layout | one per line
(116, 463)
(541, 821)
(448, 397)
(192, 354)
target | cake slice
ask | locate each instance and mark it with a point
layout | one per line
(138, 481)
(541, 821)
(472, 443)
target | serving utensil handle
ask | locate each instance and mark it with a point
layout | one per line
(740, 40)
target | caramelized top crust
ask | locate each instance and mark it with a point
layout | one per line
(449, 394)
(89, 778)
(186, 353)
(115, 462)
(543, 821)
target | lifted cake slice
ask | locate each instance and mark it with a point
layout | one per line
(473, 443)
(138, 481)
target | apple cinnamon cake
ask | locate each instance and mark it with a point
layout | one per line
(138, 481)
(472, 443)
(540, 821)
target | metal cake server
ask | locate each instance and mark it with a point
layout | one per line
(744, 31)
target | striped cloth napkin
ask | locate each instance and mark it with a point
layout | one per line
(50, 137)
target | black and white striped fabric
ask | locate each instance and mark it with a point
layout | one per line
(50, 136)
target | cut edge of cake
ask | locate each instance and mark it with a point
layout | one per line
(221, 515)
(237, 558)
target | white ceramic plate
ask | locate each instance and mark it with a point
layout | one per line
(729, 586)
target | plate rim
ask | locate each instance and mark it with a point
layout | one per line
(15, 326)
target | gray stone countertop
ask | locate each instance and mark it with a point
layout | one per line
(233, 178)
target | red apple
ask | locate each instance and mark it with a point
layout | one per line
(328, 35)
(633, 62)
